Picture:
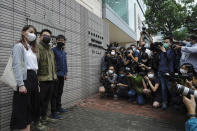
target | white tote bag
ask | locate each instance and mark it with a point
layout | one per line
(8, 77)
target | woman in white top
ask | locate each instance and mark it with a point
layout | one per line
(26, 95)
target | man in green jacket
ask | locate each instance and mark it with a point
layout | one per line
(46, 71)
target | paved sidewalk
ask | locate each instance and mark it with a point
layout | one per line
(95, 114)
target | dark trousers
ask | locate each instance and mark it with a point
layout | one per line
(26, 107)
(46, 91)
(57, 94)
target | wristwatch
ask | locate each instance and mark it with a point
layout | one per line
(191, 115)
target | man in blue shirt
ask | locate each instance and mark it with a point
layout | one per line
(61, 66)
(166, 65)
(190, 52)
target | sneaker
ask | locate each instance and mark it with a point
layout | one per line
(164, 106)
(38, 126)
(46, 120)
(62, 110)
(55, 116)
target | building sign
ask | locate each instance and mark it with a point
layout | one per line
(95, 41)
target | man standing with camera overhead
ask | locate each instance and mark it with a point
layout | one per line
(145, 39)
(191, 56)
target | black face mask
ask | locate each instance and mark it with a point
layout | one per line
(60, 44)
(46, 39)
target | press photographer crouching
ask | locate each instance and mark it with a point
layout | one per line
(152, 88)
(135, 77)
(109, 81)
(122, 84)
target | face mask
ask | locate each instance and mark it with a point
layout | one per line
(147, 45)
(145, 60)
(113, 53)
(60, 44)
(121, 75)
(110, 71)
(31, 37)
(46, 39)
(134, 49)
(165, 45)
(150, 76)
(182, 71)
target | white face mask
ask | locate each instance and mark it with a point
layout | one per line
(144, 60)
(113, 53)
(150, 76)
(110, 71)
(31, 37)
(182, 71)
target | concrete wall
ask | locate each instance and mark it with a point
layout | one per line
(83, 30)
(94, 6)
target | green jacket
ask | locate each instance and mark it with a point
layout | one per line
(136, 84)
(46, 63)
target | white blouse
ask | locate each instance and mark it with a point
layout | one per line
(32, 63)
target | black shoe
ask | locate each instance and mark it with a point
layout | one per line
(62, 110)
(164, 106)
(55, 116)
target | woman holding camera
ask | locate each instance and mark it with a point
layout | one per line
(152, 88)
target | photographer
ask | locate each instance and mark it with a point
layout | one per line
(136, 87)
(105, 61)
(131, 56)
(188, 76)
(113, 58)
(145, 62)
(191, 124)
(145, 38)
(122, 84)
(120, 58)
(191, 55)
(152, 87)
(165, 65)
(110, 81)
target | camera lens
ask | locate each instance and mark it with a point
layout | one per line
(186, 91)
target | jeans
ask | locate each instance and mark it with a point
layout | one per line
(138, 97)
(165, 86)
